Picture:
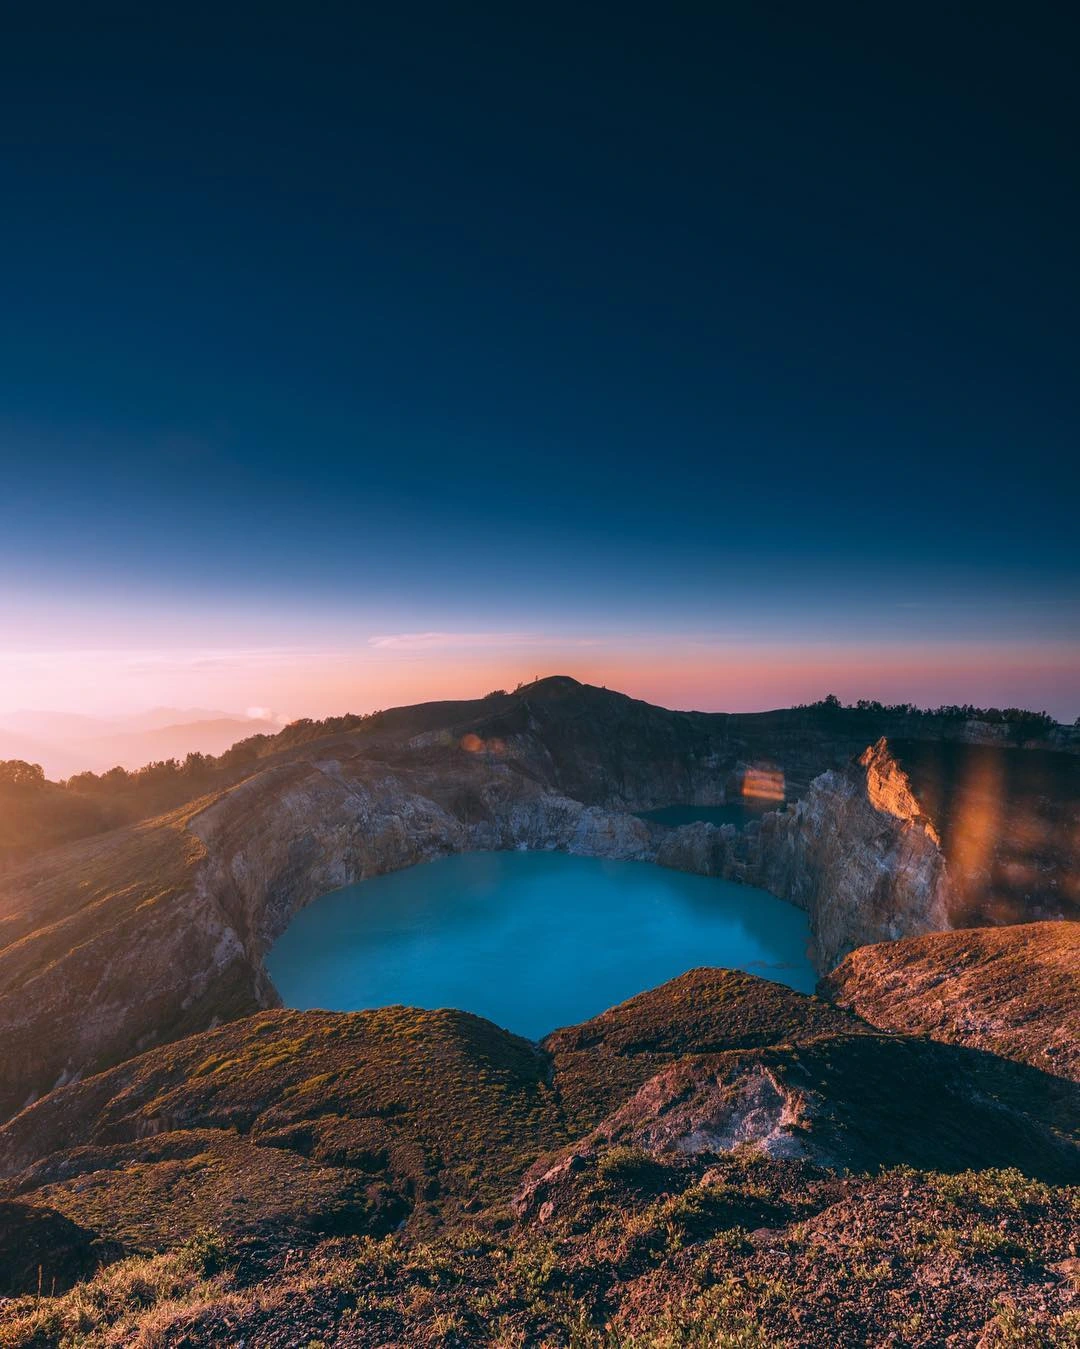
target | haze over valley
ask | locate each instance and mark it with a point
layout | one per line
(66, 744)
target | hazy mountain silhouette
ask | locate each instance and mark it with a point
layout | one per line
(65, 743)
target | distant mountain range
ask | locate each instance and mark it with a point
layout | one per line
(65, 743)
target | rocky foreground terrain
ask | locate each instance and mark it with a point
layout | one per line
(721, 1161)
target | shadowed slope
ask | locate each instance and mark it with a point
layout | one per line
(355, 1122)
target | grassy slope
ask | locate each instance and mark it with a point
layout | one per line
(440, 1113)
(432, 1108)
(61, 921)
(301, 1139)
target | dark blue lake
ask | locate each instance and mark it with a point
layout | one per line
(531, 940)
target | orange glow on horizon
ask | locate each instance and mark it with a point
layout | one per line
(678, 672)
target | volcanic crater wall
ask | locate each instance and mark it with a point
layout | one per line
(329, 823)
(856, 852)
(112, 944)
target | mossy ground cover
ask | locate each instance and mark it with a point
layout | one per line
(369, 1180)
(863, 1261)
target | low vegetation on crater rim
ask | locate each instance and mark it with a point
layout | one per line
(717, 1161)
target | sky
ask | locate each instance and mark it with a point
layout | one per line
(353, 355)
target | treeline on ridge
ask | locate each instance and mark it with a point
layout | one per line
(36, 813)
(1028, 725)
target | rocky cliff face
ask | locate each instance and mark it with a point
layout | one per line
(273, 846)
(911, 837)
(856, 853)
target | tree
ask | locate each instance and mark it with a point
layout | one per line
(19, 773)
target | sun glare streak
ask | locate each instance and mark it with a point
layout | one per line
(763, 784)
(475, 744)
(979, 821)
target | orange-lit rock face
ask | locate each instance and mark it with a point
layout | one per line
(888, 787)
(763, 784)
(860, 855)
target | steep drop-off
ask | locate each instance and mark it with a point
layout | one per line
(856, 852)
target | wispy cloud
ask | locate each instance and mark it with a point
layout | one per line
(445, 641)
(508, 640)
(137, 658)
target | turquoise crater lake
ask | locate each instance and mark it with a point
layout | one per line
(531, 940)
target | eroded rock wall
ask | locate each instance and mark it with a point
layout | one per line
(856, 853)
(272, 848)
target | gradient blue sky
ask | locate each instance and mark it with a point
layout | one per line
(725, 357)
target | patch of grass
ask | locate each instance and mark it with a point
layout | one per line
(993, 1189)
(1011, 1329)
(710, 1318)
(128, 1303)
(630, 1167)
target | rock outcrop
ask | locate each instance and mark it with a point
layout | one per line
(1013, 990)
(860, 856)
